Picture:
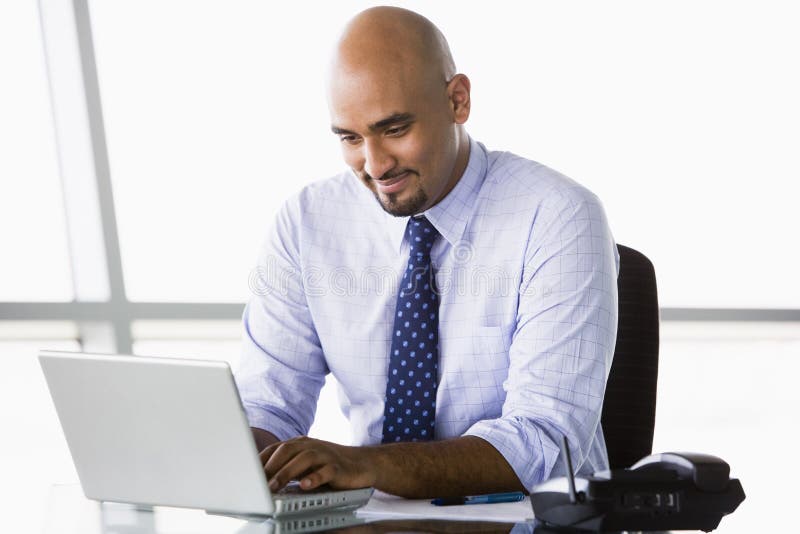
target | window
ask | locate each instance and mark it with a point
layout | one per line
(34, 453)
(728, 389)
(221, 340)
(687, 141)
(208, 134)
(34, 264)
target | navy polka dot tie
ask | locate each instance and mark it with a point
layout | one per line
(414, 358)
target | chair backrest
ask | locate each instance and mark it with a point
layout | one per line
(629, 408)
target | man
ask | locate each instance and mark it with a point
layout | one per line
(464, 299)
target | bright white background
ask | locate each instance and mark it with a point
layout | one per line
(33, 246)
(682, 116)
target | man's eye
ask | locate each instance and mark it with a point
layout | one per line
(350, 139)
(397, 130)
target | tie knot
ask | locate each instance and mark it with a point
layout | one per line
(421, 235)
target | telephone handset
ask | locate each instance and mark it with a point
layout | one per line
(667, 491)
(708, 472)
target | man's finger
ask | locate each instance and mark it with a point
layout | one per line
(285, 446)
(299, 464)
(268, 451)
(282, 454)
(323, 475)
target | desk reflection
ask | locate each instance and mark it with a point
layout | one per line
(436, 526)
(123, 519)
(127, 519)
(69, 512)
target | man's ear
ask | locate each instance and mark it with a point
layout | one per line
(458, 90)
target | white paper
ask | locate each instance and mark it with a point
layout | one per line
(384, 506)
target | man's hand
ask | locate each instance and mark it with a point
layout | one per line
(315, 462)
(460, 466)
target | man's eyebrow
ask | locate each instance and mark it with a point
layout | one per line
(340, 131)
(391, 119)
(379, 125)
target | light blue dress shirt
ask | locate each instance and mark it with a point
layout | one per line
(527, 271)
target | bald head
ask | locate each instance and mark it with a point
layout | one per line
(391, 37)
(398, 107)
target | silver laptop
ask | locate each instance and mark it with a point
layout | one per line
(169, 432)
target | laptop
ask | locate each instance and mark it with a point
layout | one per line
(168, 432)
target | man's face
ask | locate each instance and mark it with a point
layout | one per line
(397, 135)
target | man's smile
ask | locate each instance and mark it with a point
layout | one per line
(393, 184)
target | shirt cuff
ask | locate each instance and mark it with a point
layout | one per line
(531, 459)
(273, 422)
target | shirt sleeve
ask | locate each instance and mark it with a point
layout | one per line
(563, 343)
(282, 367)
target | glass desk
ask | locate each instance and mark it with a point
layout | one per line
(69, 512)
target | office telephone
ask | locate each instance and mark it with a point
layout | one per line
(670, 491)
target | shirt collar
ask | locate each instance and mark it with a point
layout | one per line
(396, 227)
(449, 216)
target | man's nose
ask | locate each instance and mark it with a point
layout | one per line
(377, 160)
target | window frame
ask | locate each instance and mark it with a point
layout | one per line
(100, 308)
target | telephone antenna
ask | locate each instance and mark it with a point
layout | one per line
(573, 497)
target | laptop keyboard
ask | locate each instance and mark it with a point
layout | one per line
(293, 488)
(292, 499)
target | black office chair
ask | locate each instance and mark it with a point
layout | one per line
(629, 408)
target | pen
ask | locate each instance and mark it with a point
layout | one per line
(513, 496)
